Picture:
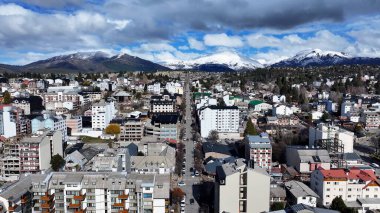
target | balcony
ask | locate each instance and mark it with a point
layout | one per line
(80, 197)
(118, 205)
(47, 197)
(74, 205)
(47, 205)
(123, 197)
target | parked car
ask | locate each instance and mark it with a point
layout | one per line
(191, 169)
(191, 201)
(181, 183)
(196, 173)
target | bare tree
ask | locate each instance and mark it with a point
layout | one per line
(375, 142)
(213, 135)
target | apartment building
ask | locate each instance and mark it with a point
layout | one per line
(74, 124)
(258, 151)
(52, 122)
(223, 119)
(131, 130)
(22, 103)
(327, 136)
(87, 192)
(61, 99)
(371, 119)
(350, 184)
(239, 188)
(13, 122)
(30, 154)
(164, 126)
(102, 113)
(164, 103)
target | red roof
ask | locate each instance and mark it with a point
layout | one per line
(333, 173)
(353, 174)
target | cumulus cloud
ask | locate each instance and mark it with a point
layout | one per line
(223, 40)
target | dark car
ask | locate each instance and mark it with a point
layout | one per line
(191, 169)
(191, 201)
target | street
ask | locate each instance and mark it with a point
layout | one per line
(189, 146)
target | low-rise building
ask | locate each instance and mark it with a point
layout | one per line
(299, 193)
(350, 184)
(307, 159)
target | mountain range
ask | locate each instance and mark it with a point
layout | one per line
(218, 62)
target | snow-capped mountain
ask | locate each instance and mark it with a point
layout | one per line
(318, 58)
(94, 62)
(222, 61)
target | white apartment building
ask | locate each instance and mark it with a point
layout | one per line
(154, 88)
(88, 192)
(173, 87)
(206, 101)
(326, 131)
(225, 120)
(22, 103)
(282, 110)
(164, 103)
(8, 122)
(241, 189)
(52, 122)
(349, 184)
(101, 114)
(346, 107)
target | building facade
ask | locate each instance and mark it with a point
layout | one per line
(220, 119)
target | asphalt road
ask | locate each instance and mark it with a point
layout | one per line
(189, 145)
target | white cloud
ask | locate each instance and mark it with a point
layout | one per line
(195, 44)
(162, 46)
(222, 39)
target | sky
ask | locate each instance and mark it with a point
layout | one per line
(175, 30)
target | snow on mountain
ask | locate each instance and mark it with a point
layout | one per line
(315, 57)
(229, 59)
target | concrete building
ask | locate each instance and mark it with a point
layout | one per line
(258, 151)
(52, 122)
(8, 121)
(101, 114)
(22, 103)
(154, 88)
(299, 193)
(326, 134)
(371, 119)
(224, 120)
(74, 124)
(164, 126)
(87, 192)
(130, 129)
(239, 188)
(306, 160)
(259, 106)
(30, 154)
(162, 104)
(174, 87)
(346, 107)
(349, 184)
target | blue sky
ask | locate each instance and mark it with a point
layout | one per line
(175, 30)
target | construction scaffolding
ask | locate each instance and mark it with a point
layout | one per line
(335, 148)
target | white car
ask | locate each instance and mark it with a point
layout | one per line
(181, 183)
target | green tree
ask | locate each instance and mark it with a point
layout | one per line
(277, 206)
(326, 116)
(338, 204)
(57, 162)
(250, 129)
(7, 98)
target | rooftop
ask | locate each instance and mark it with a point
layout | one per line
(299, 189)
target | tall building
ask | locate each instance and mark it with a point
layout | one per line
(13, 122)
(349, 184)
(333, 138)
(131, 130)
(74, 124)
(223, 119)
(241, 189)
(87, 192)
(164, 103)
(52, 122)
(30, 154)
(164, 126)
(102, 113)
(258, 151)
